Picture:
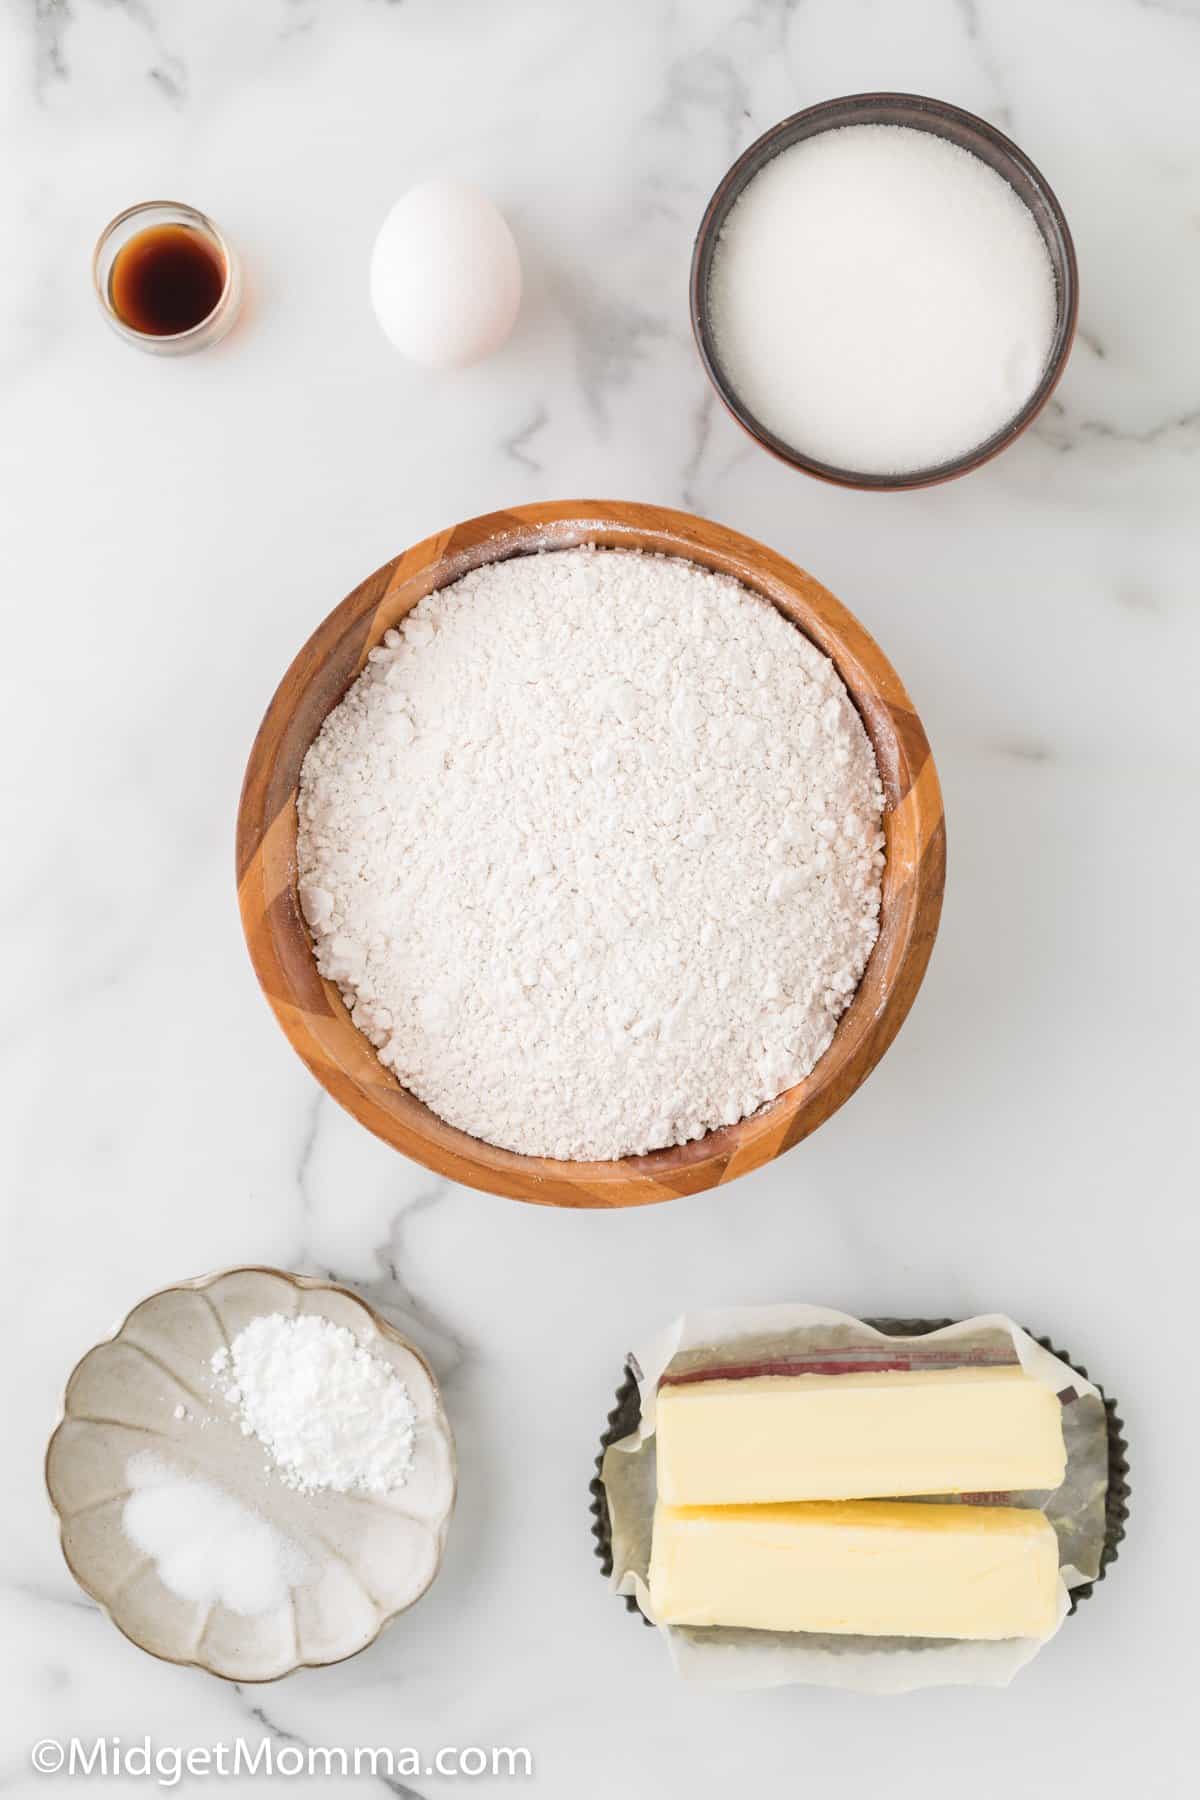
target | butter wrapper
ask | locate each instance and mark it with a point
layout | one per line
(796, 1339)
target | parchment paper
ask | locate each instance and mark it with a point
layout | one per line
(812, 1337)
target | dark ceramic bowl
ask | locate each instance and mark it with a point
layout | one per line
(958, 127)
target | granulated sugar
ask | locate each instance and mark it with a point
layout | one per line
(206, 1546)
(881, 299)
(592, 849)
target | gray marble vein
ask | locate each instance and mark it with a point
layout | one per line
(259, 1715)
(52, 23)
(418, 1317)
(51, 19)
(702, 419)
(1000, 112)
(1175, 9)
(612, 337)
(304, 1159)
(1181, 431)
(49, 1595)
(1021, 750)
(517, 444)
(707, 85)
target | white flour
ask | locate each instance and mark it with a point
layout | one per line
(592, 850)
(329, 1413)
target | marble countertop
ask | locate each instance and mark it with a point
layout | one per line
(171, 531)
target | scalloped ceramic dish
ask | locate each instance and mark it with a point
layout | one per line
(148, 1388)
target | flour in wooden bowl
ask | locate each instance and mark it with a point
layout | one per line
(592, 849)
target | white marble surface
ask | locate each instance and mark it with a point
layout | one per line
(172, 531)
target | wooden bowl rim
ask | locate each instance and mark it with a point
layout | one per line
(273, 923)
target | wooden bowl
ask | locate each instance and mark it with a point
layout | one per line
(311, 1010)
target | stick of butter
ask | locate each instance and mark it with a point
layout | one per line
(857, 1436)
(876, 1567)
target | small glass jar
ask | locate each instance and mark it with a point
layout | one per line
(151, 215)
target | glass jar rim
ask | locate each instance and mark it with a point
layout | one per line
(187, 215)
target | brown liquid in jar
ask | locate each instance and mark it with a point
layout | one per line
(166, 279)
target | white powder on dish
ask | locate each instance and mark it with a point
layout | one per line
(206, 1546)
(881, 299)
(329, 1414)
(592, 850)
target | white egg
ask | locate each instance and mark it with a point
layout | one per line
(445, 275)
